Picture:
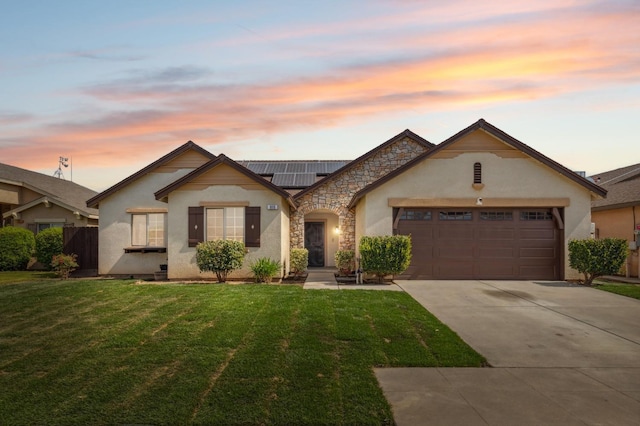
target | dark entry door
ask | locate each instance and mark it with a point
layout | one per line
(314, 242)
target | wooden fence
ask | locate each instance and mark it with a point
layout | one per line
(82, 241)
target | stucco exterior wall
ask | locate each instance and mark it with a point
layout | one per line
(450, 179)
(115, 226)
(619, 223)
(182, 258)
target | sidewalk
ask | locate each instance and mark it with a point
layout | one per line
(324, 279)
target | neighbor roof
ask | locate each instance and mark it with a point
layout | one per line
(492, 130)
(95, 201)
(623, 186)
(59, 191)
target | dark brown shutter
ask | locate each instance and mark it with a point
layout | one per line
(252, 226)
(196, 225)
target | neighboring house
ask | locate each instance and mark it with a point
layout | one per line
(618, 215)
(36, 201)
(479, 205)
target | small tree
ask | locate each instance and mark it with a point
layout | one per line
(299, 260)
(345, 261)
(385, 255)
(220, 256)
(264, 269)
(48, 244)
(595, 258)
(16, 248)
(64, 264)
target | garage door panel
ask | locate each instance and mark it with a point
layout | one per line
(496, 270)
(495, 234)
(500, 245)
(454, 252)
(537, 234)
(497, 253)
(541, 252)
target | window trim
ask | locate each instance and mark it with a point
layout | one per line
(147, 247)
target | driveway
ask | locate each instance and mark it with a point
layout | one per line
(562, 354)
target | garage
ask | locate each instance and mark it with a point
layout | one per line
(477, 243)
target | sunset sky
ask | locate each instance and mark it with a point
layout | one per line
(114, 85)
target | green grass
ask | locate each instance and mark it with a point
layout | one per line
(12, 277)
(629, 290)
(121, 352)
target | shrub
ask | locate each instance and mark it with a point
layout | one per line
(16, 248)
(345, 261)
(385, 255)
(595, 258)
(264, 269)
(220, 256)
(64, 264)
(48, 244)
(299, 261)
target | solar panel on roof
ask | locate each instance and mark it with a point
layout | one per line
(295, 180)
(297, 167)
(276, 168)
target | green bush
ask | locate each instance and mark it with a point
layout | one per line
(64, 264)
(264, 269)
(16, 248)
(299, 261)
(385, 255)
(595, 258)
(220, 256)
(345, 261)
(48, 244)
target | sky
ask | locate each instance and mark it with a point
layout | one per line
(113, 86)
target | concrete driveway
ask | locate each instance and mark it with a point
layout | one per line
(562, 354)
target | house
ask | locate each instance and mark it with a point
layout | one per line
(481, 204)
(618, 216)
(36, 201)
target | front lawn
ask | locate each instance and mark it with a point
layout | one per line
(629, 290)
(121, 352)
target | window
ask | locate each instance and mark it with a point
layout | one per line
(536, 215)
(148, 230)
(43, 226)
(455, 215)
(225, 223)
(477, 173)
(496, 216)
(416, 215)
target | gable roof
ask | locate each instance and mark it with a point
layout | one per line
(95, 201)
(63, 192)
(623, 186)
(222, 159)
(407, 133)
(494, 131)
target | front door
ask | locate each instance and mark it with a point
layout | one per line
(314, 242)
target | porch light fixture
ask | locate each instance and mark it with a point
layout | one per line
(337, 230)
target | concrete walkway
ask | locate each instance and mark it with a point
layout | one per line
(562, 354)
(324, 279)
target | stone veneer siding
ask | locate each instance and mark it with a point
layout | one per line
(336, 194)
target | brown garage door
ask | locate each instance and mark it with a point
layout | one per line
(481, 243)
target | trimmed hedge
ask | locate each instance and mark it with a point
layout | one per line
(49, 243)
(345, 261)
(16, 248)
(220, 256)
(385, 255)
(595, 258)
(299, 260)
